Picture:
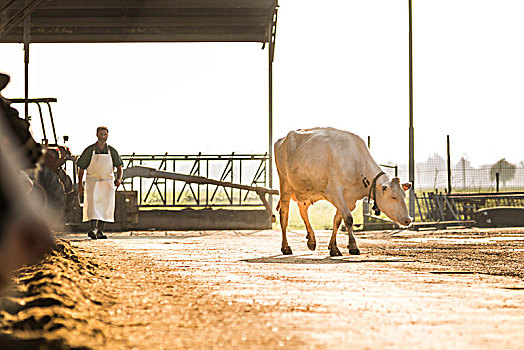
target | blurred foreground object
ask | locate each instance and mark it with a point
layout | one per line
(54, 188)
(24, 241)
(24, 235)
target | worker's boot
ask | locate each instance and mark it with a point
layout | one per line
(100, 230)
(93, 231)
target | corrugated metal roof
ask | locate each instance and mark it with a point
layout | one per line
(74, 21)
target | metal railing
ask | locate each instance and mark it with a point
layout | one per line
(438, 206)
(246, 169)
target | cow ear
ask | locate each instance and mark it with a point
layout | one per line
(406, 186)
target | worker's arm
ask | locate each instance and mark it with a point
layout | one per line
(83, 162)
(118, 179)
(80, 180)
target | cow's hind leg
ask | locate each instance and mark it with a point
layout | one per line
(284, 216)
(333, 249)
(311, 241)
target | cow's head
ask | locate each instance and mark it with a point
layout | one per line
(17, 132)
(391, 200)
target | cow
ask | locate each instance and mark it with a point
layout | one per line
(334, 165)
(17, 130)
(24, 236)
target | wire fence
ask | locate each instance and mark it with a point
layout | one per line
(456, 191)
(439, 172)
(436, 174)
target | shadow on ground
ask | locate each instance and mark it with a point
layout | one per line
(306, 259)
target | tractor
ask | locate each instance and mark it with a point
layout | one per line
(55, 187)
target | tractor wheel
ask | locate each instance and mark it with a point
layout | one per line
(52, 186)
(72, 203)
(65, 179)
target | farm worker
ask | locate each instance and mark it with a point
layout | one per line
(99, 160)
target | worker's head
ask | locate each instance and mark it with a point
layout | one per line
(101, 133)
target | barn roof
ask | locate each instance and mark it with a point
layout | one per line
(96, 21)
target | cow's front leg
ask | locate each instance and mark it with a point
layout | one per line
(333, 249)
(311, 241)
(284, 215)
(337, 199)
(353, 248)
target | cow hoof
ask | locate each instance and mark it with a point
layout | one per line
(286, 250)
(354, 251)
(335, 252)
(312, 245)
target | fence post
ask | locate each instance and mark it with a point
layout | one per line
(365, 201)
(449, 166)
(411, 126)
(497, 178)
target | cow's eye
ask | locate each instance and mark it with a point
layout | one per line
(394, 197)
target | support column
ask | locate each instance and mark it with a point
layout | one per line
(27, 39)
(271, 56)
(411, 128)
(449, 164)
(270, 65)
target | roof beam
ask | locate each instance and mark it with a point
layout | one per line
(148, 21)
(140, 4)
(116, 38)
(19, 16)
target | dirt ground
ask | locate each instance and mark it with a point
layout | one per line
(234, 290)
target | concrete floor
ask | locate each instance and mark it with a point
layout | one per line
(406, 290)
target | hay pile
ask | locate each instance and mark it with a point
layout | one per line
(54, 304)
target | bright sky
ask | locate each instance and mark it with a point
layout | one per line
(337, 63)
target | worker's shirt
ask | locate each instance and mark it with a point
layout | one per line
(85, 158)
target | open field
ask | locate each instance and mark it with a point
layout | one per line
(321, 213)
(233, 289)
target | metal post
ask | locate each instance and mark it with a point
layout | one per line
(449, 166)
(497, 178)
(270, 63)
(411, 129)
(271, 57)
(365, 201)
(270, 132)
(463, 163)
(27, 33)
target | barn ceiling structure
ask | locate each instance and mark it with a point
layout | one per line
(119, 21)
(96, 21)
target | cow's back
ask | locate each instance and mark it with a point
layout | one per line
(311, 159)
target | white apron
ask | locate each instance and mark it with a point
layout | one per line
(99, 193)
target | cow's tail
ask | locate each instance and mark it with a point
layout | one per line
(278, 205)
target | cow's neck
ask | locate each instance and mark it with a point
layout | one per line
(367, 179)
